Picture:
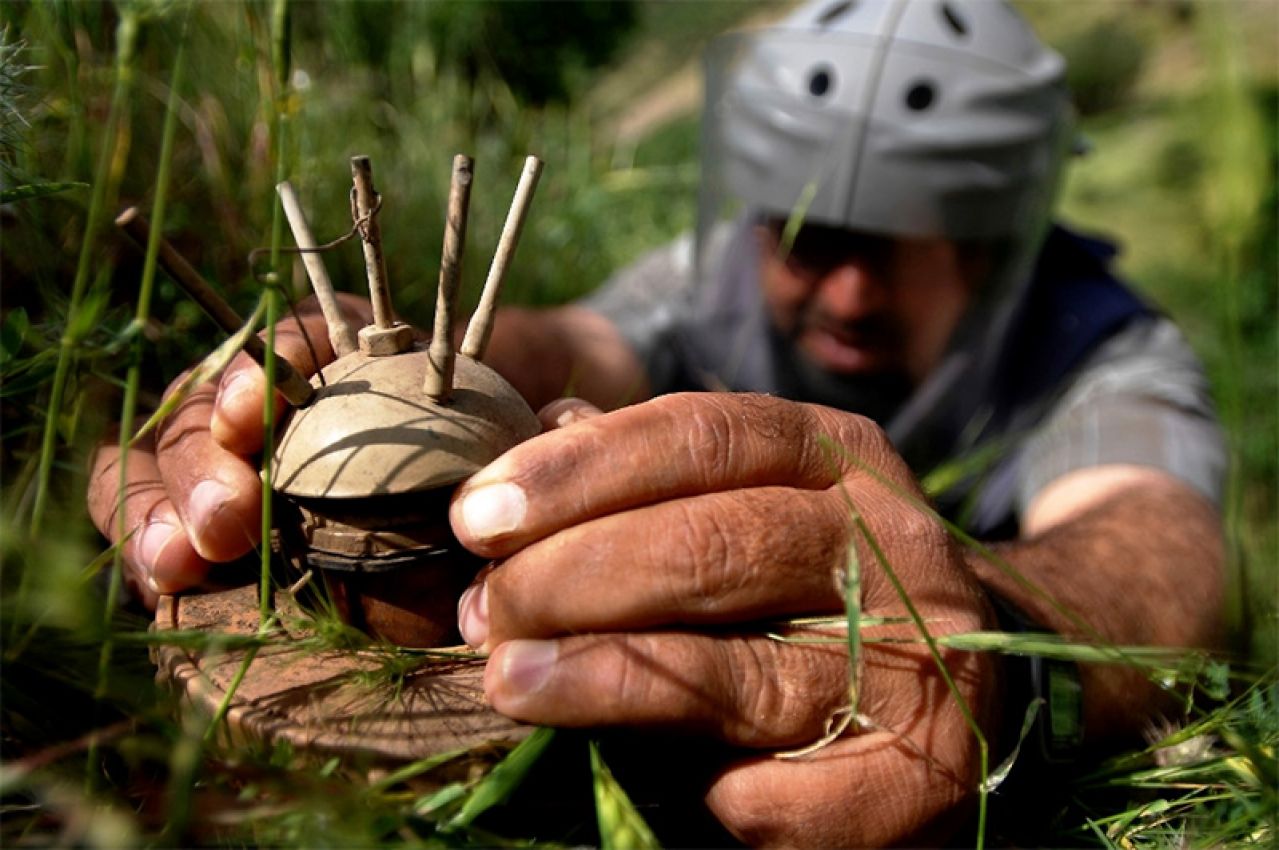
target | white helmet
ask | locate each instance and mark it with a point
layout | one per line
(905, 118)
(902, 117)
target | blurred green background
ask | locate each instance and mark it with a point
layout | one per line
(1179, 99)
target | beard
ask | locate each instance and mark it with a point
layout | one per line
(876, 395)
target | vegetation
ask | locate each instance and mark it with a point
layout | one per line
(94, 114)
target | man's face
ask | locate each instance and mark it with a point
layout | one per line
(859, 305)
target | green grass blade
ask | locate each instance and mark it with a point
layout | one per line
(412, 769)
(105, 180)
(621, 826)
(279, 112)
(1000, 773)
(215, 362)
(13, 333)
(987, 554)
(225, 705)
(1233, 190)
(32, 191)
(495, 788)
(860, 526)
(104, 184)
(1167, 665)
(134, 376)
(443, 800)
(973, 465)
(853, 611)
(794, 221)
(1101, 836)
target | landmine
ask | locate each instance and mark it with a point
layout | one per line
(363, 472)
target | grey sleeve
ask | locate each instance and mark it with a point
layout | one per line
(1141, 399)
(646, 301)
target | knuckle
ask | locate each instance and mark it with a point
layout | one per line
(732, 428)
(631, 681)
(771, 418)
(913, 524)
(711, 436)
(857, 441)
(710, 570)
(870, 432)
(757, 699)
(814, 688)
(787, 692)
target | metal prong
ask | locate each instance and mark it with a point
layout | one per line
(438, 383)
(385, 336)
(374, 263)
(341, 335)
(481, 324)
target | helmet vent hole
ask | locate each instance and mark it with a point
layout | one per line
(921, 95)
(820, 82)
(835, 12)
(957, 23)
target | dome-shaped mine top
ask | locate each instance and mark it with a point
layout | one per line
(371, 430)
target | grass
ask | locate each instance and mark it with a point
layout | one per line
(95, 111)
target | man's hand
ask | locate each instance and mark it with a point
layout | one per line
(639, 555)
(193, 495)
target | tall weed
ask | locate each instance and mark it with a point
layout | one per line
(102, 89)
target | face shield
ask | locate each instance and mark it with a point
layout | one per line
(893, 122)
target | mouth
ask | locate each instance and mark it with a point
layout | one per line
(846, 350)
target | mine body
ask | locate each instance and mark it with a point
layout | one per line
(363, 476)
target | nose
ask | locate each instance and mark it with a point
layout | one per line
(851, 290)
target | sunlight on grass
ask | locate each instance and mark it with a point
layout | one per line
(106, 115)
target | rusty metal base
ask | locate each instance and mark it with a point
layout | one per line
(323, 703)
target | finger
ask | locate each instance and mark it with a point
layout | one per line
(670, 447)
(720, 558)
(748, 691)
(217, 493)
(913, 749)
(158, 556)
(565, 411)
(739, 556)
(871, 790)
(237, 420)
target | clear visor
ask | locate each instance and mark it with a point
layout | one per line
(797, 140)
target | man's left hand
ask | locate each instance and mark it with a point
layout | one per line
(641, 559)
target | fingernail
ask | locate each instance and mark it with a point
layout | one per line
(208, 498)
(239, 385)
(493, 509)
(527, 664)
(151, 544)
(473, 615)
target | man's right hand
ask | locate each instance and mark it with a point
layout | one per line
(192, 496)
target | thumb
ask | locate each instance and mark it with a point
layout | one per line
(303, 341)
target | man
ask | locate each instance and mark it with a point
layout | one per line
(887, 169)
